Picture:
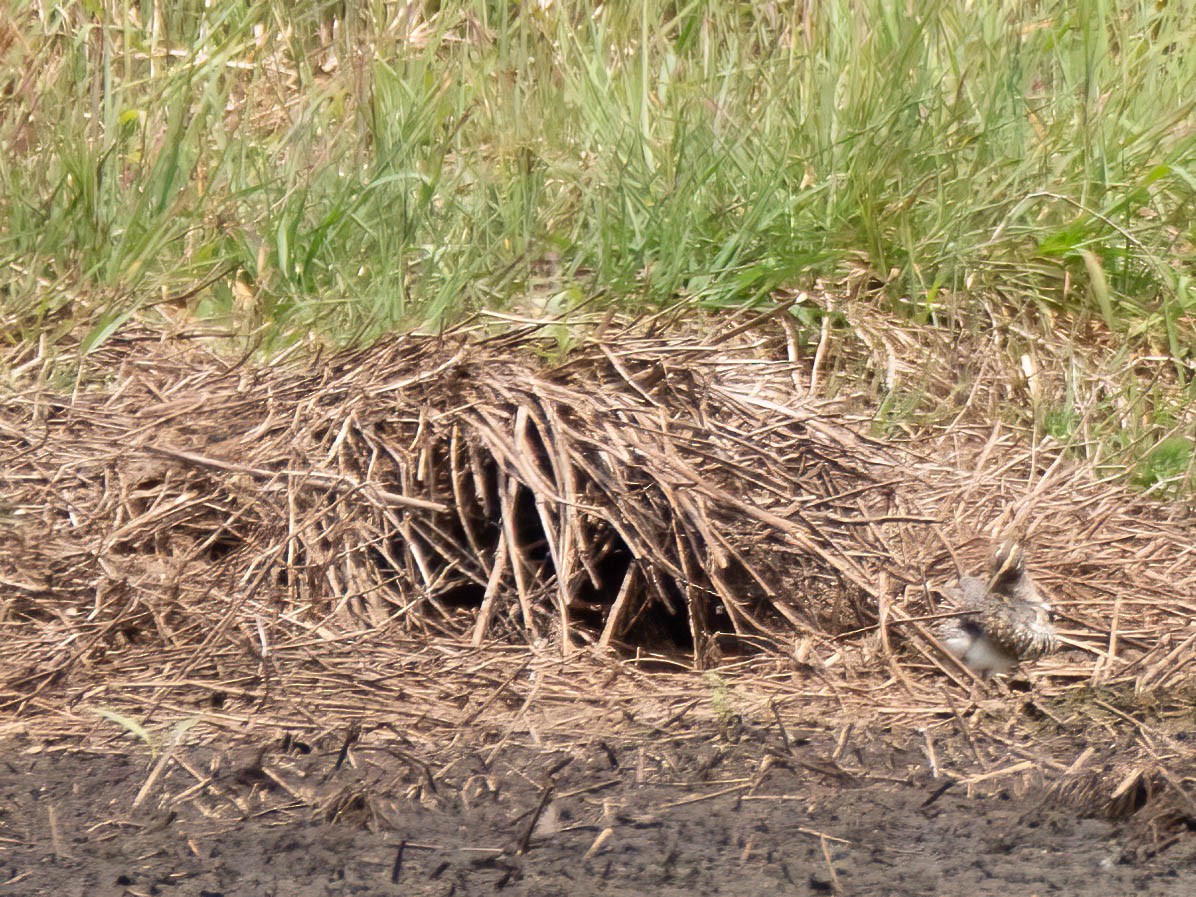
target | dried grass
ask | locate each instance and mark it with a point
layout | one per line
(438, 533)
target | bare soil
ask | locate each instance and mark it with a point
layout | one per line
(679, 816)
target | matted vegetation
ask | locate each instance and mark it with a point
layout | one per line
(198, 527)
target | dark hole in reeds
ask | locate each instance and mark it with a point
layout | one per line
(225, 543)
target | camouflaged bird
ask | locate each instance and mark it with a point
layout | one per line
(1003, 620)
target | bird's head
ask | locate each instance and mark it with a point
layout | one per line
(1007, 564)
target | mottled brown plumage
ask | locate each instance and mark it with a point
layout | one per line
(1004, 620)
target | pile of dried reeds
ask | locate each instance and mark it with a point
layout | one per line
(644, 492)
(196, 528)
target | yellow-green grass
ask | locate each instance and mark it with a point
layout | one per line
(353, 167)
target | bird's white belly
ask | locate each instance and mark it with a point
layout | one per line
(979, 653)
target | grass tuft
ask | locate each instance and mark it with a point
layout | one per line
(358, 167)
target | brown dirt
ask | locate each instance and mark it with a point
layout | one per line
(686, 815)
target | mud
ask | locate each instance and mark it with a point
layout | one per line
(686, 818)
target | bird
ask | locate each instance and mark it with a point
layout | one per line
(1003, 620)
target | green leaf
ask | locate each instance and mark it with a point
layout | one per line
(1099, 285)
(130, 725)
(109, 323)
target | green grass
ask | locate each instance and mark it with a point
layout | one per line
(353, 167)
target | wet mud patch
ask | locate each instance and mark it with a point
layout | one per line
(686, 817)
